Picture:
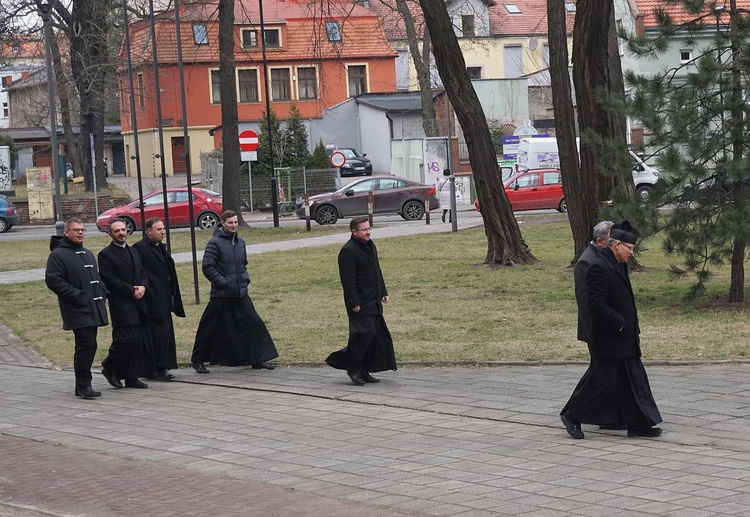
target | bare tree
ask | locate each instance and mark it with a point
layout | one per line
(505, 245)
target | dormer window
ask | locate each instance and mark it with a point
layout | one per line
(512, 8)
(333, 30)
(271, 37)
(249, 38)
(200, 34)
(467, 24)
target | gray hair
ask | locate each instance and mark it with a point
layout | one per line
(601, 230)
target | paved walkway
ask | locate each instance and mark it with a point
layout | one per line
(306, 442)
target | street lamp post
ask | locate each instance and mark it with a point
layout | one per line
(45, 7)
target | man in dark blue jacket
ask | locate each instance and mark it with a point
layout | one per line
(614, 391)
(370, 347)
(73, 276)
(230, 332)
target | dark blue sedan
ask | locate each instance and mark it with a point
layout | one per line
(8, 214)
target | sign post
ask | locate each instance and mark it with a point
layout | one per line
(248, 153)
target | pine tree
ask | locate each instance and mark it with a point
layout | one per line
(696, 114)
(319, 158)
(279, 143)
(297, 152)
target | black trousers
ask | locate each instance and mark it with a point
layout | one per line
(83, 357)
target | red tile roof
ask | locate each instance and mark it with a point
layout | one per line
(361, 31)
(680, 15)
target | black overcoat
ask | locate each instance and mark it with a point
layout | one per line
(361, 278)
(73, 276)
(614, 331)
(163, 293)
(579, 276)
(122, 270)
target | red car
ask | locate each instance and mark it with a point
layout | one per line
(535, 190)
(206, 209)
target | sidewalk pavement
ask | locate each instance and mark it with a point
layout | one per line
(424, 441)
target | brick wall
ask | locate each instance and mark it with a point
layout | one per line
(73, 205)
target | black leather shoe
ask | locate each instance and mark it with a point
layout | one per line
(135, 383)
(613, 427)
(88, 393)
(164, 375)
(114, 381)
(356, 378)
(574, 430)
(200, 367)
(644, 432)
(263, 366)
(368, 378)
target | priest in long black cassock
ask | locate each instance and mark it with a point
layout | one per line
(130, 355)
(162, 296)
(370, 347)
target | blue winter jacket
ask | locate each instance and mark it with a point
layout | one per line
(225, 265)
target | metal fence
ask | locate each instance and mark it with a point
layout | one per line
(255, 185)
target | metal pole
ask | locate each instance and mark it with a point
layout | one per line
(454, 216)
(45, 8)
(250, 183)
(186, 138)
(159, 125)
(274, 187)
(134, 117)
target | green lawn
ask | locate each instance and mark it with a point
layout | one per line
(445, 305)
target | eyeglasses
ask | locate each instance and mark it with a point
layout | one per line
(631, 247)
(77, 230)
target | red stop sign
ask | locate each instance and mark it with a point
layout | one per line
(248, 140)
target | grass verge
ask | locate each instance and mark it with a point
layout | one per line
(445, 305)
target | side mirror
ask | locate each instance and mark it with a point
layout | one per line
(349, 193)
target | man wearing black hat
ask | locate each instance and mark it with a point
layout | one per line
(614, 391)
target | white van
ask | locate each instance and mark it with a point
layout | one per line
(541, 153)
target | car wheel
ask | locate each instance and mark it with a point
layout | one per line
(368, 173)
(563, 206)
(4, 226)
(207, 220)
(643, 192)
(412, 211)
(326, 215)
(129, 225)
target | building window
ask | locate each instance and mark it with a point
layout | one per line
(5, 81)
(248, 84)
(16, 49)
(5, 110)
(249, 38)
(280, 90)
(512, 8)
(686, 55)
(200, 34)
(467, 24)
(271, 37)
(475, 72)
(215, 87)
(513, 60)
(357, 80)
(141, 92)
(333, 30)
(570, 7)
(545, 55)
(307, 83)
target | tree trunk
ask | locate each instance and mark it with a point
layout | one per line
(64, 89)
(617, 120)
(422, 66)
(505, 245)
(88, 59)
(590, 72)
(229, 119)
(578, 187)
(737, 277)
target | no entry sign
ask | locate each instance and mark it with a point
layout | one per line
(337, 159)
(248, 140)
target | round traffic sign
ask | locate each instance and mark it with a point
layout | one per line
(248, 140)
(337, 159)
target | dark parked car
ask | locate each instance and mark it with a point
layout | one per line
(390, 195)
(8, 214)
(206, 210)
(357, 163)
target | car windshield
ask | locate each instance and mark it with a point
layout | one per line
(351, 153)
(211, 193)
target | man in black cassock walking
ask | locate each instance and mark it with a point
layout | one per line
(130, 355)
(614, 391)
(370, 347)
(162, 296)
